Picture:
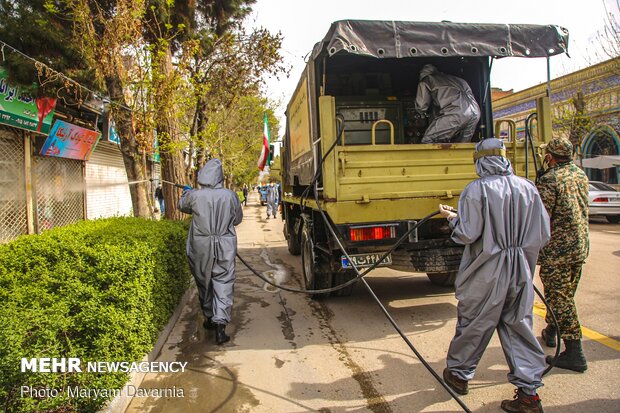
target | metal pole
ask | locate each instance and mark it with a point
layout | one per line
(549, 77)
(30, 218)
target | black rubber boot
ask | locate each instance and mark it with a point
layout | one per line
(209, 324)
(572, 358)
(220, 334)
(549, 335)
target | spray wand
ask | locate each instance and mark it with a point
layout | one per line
(172, 183)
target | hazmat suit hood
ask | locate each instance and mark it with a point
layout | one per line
(427, 70)
(490, 162)
(211, 175)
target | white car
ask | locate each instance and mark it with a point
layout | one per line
(604, 200)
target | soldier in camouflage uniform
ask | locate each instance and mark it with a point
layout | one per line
(564, 191)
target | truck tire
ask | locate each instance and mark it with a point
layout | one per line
(314, 266)
(292, 237)
(341, 277)
(442, 279)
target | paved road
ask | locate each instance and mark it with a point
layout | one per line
(292, 354)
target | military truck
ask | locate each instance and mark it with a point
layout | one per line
(378, 180)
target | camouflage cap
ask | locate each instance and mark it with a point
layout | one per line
(560, 147)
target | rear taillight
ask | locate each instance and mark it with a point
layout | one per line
(601, 200)
(372, 233)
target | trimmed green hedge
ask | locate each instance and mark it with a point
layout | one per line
(98, 290)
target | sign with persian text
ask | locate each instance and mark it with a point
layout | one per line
(70, 141)
(21, 110)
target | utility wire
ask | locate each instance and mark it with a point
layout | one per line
(56, 72)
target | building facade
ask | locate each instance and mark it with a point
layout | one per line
(56, 166)
(586, 110)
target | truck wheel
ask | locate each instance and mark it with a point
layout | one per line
(341, 277)
(443, 279)
(292, 237)
(314, 267)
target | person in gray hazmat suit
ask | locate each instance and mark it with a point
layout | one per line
(453, 100)
(503, 224)
(212, 244)
(272, 200)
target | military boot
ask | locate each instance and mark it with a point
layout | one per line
(549, 335)
(572, 358)
(220, 334)
(523, 403)
(459, 386)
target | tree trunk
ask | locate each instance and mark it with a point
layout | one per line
(129, 149)
(169, 135)
(201, 127)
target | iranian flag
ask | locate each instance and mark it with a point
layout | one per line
(264, 153)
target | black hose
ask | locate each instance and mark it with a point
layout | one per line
(530, 140)
(557, 332)
(360, 275)
(380, 304)
(351, 281)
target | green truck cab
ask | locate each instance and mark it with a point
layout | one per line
(378, 180)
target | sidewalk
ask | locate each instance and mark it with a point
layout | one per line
(210, 383)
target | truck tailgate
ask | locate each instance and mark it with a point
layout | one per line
(374, 172)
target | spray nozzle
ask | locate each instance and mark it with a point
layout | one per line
(172, 183)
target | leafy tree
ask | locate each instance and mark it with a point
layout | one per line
(225, 69)
(570, 118)
(82, 40)
(166, 26)
(169, 67)
(37, 29)
(234, 136)
(107, 32)
(274, 170)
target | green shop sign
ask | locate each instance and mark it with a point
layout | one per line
(21, 110)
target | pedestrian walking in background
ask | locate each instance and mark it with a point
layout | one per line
(159, 196)
(503, 224)
(564, 191)
(272, 200)
(245, 195)
(212, 244)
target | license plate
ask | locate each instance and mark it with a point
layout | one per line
(365, 260)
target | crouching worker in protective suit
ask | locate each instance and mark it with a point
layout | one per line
(503, 224)
(212, 244)
(453, 100)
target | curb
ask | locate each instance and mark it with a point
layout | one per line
(120, 403)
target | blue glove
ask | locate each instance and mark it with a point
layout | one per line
(187, 188)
